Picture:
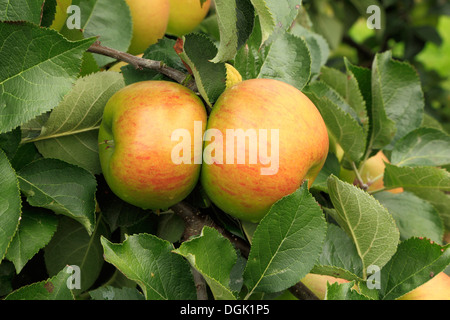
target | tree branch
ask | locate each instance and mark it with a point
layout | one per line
(141, 63)
(195, 220)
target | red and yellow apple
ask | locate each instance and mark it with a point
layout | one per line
(371, 172)
(60, 14)
(186, 15)
(136, 145)
(438, 288)
(150, 19)
(281, 141)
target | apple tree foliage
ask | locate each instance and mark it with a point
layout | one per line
(374, 88)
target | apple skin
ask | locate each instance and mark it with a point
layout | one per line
(239, 189)
(438, 288)
(186, 15)
(140, 119)
(317, 283)
(150, 19)
(61, 14)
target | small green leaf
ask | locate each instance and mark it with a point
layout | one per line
(366, 221)
(34, 78)
(415, 262)
(214, 257)
(61, 187)
(422, 147)
(10, 204)
(286, 243)
(55, 288)
(36, 228)
(21, 10)
(343, 291)
(150, 262)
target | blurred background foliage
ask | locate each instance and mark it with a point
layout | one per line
(417, 31)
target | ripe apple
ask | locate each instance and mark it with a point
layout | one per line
(186, 15)
(371, 173)
(317, 283)
(245, 178)
(150, 18)
(135, 144)
(438, 288)
(61, 14)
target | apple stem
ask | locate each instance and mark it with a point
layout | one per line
(359, 178)
(141, 63)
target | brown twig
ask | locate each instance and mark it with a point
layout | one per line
(141, 63)
(195, 220)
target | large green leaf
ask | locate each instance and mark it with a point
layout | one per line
(71, 131)
(286, 243)
(416, 261)
(61, 187)
(214, 257)
(39, 66)
(366, 221)
(10, 204)
(416, 178)
(150, 262)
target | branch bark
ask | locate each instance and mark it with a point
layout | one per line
(195, 220)
(141, 63)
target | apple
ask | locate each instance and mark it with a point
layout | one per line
(135, 143)
(287, 143)
(438, 288)
(317, 283)
(61, 14)
(186, 15)
(371, 172)
(150, 19)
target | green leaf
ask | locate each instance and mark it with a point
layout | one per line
(414, 217)
(21, 10)
(97, 19)
(61, 187)
(339, 257)
(416, 261)
(36, 228)
(112, 293)
(54, 288)
(214, 257)
(294, 227)
(210, 77)
(416, 177)
(150, 262)
(422, 147)
(339, 119)
(162, 51)
(235, 20)
(331, 166)
(343, 291)
(71, 132)
(10, 204)
(72, 245)
(34, 78)
(397, 100)
(366, 221)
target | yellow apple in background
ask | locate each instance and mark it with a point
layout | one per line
(116, 67)
(438, 288)
(371, 173)
(186, 15)
(61, 14)
(233, 76)
(317, 283)
(150, 18)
